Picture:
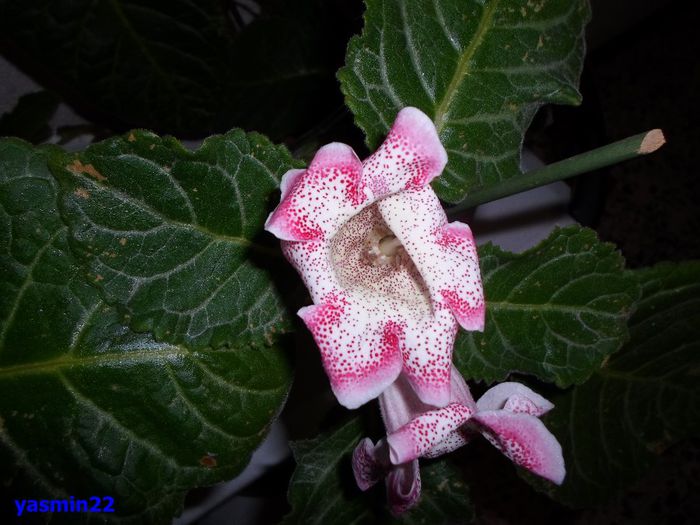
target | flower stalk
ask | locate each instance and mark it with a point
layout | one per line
(631, 147)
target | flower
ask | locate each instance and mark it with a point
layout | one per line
(389, 277)
(506, 415)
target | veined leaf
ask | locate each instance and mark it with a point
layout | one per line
(645, 398)
(323, 490)
(172, 235)
(479, 68)
(90, 408)
(555, 311)
(445, 496)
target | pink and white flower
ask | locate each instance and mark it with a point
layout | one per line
(506, 415)
(391, 280)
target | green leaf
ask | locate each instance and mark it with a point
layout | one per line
(88, 407)
(173, 236)
(645, 398)
(445, 496)
(479, 68)
(182, 66)
(555, 311)
(323, 490)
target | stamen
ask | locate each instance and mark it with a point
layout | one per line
(389, 245)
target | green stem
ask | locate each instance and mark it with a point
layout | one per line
(628, 148)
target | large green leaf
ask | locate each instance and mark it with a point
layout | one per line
(479, 68)
(323, 490)
(555, 311)
(90, 408)
(645, 398)
(172, 235)
(182, 66)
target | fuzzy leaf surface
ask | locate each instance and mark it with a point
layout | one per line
(645, 398)
(89, 407)
(555, 311)
(174, 237)
(479, 68)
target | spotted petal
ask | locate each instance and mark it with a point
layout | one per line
(403, 486)
(336, 185)
(409, 158)
(524, 440)
(373, 318)
(459, 393)
(415, 429)
(304, 213)
(445, 257)
(368, 465)
(514, 397)
(414, 439)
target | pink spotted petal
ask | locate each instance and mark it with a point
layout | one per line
(288, 181)
(369, 463)
(514, 397)
(410, 156)
(374, 318)
(524, 440)
(444, 253)
(399, 404)
(403, 487)
(361, 360)
(453, 441)
(427, 356)
(445, 257)
(317, 201)
(422, 433)
(361, 312)
(459, 393)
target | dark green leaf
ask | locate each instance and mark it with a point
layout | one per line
(88, 407)
(645, 398)
(29, 120)
(172, 235)
(555, 311)
(323, 490)
(479, 68)
(445, 497)
(182, 66)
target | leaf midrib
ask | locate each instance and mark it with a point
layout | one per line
(463, 65)
(545, 307)
(65, 361)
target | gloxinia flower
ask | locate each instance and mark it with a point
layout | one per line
(389, 277)
(506, 415)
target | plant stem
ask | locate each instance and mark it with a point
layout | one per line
(628, 148)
